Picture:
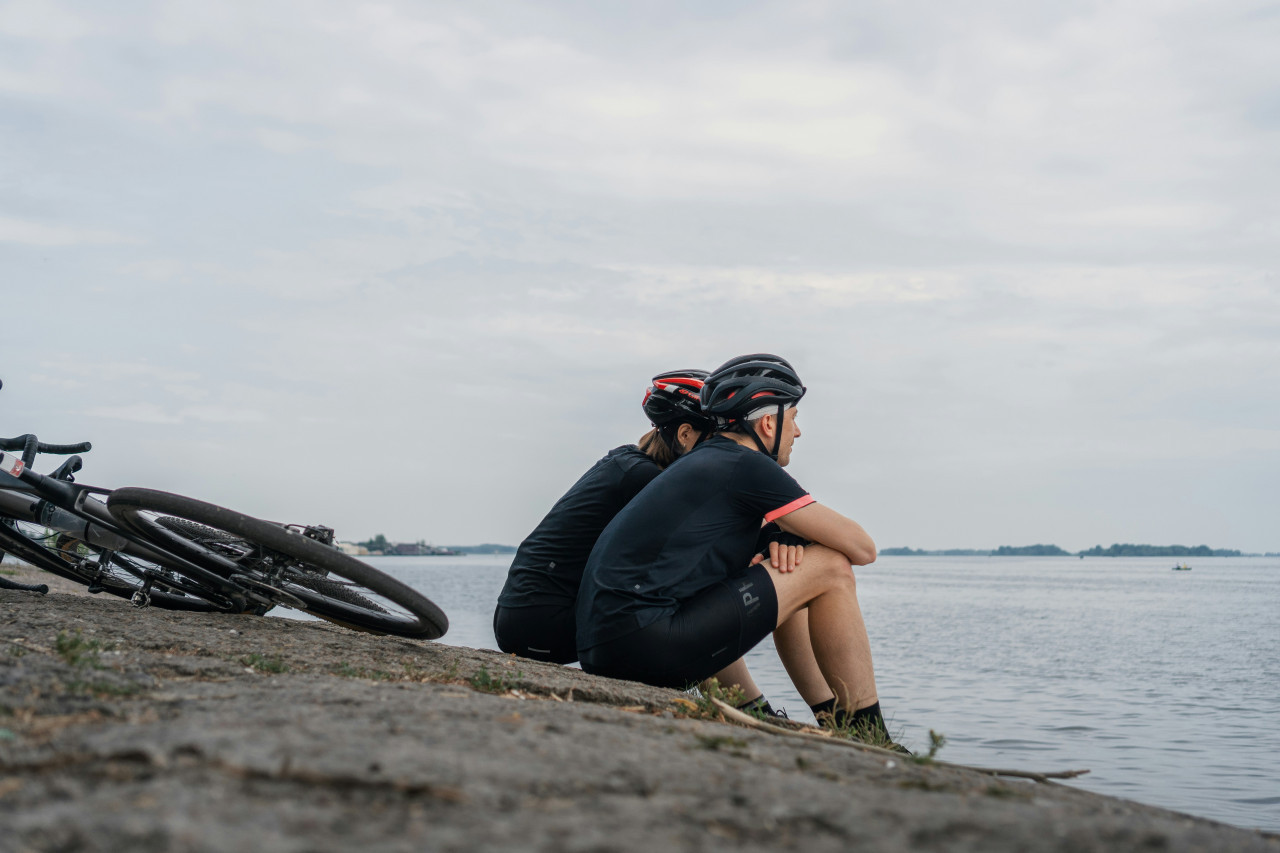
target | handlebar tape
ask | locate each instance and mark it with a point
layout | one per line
(20, 443)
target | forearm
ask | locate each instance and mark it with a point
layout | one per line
(824, 526)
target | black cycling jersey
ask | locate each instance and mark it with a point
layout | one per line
(694, 527)
(548, 565)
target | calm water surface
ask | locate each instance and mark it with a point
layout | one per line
(1165, 684)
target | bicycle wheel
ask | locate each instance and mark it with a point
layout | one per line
(273, 557)
(118, 575)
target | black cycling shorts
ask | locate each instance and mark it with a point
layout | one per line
(546, 632)
(709, 631)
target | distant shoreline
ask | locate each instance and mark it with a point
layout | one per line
(1116, 550)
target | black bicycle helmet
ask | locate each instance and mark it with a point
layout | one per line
(674, 399)
(743, 385)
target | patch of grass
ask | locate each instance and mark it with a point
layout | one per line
(16, 651)
(701, 706)
(1005, 792)
(863, 731)
(77, 651)
(487, 682)
(346, 670)
(102, 688)
(262, 663)
(717, 742)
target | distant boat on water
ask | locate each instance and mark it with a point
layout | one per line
(1182, 567)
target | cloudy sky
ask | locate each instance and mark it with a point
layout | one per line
(407, 267)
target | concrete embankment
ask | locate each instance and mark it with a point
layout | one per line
(143, 730)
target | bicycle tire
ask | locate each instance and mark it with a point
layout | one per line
(116, 582)
(287, 561)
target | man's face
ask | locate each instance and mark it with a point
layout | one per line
(790, 432)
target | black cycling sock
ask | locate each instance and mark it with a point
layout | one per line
(825, 712)
(830, 715)
(761, 704)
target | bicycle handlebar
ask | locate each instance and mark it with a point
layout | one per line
(30, 446)
(20, 443)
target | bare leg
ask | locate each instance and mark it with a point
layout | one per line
(824, 585)
(736, 674)
(795, 649)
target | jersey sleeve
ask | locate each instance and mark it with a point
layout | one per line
(767, 491)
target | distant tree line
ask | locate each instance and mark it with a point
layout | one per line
(1127, 550)
(1030, 551)
(1002, 551)
(486, 548)
(1117, 550)
(948, 552)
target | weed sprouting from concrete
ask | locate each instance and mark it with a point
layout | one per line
(487, 682)
(1006, 792)
(863, 731)
(77, 651)
(102, 688)
(346, 670)
(262, 663)
(937, 740)
(716, 742)
(704, 708)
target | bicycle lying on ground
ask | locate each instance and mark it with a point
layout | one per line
(179, 553)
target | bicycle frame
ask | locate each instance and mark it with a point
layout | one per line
(67, 507)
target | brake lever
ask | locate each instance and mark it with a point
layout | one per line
(67, 468)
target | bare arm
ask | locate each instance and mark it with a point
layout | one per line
(824, 526)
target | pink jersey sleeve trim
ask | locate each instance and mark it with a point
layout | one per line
(789, 508)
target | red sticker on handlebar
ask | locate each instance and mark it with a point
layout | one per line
(11, 464)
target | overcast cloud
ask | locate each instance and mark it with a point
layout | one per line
(407, 267)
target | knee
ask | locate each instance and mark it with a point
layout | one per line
(834, 566)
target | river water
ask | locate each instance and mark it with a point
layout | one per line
(1166, 685)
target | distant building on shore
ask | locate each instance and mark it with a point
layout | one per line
(380, 546)
(353, 549)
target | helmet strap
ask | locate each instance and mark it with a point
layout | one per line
(777, 434)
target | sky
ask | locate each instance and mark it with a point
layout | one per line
(407, 267)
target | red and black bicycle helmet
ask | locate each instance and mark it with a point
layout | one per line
(742, 386)
(673, 399)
